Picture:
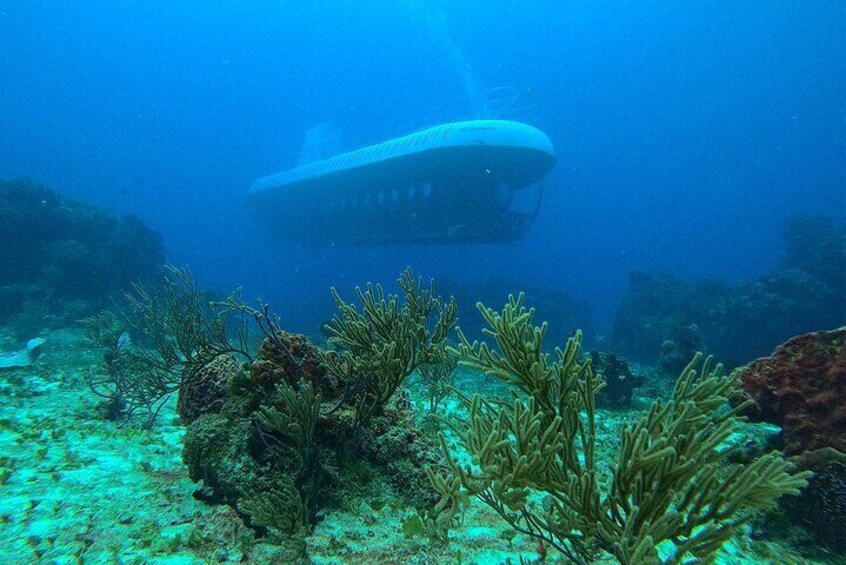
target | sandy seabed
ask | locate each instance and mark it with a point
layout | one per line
(78, 490)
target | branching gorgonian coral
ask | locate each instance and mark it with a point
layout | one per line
(676, 482)
(383, 343)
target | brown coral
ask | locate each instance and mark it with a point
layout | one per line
(289, 358)
(802, 388)
(203, 390)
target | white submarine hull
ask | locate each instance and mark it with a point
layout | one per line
(465, 182)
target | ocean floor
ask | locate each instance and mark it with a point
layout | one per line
(78, 490)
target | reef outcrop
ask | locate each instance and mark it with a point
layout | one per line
(663, 320)
(278, 440)
(802, 388)
(60, 259)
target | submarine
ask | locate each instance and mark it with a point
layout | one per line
(476, 181)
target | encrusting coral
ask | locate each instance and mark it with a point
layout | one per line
(801, 387)
(675, 485)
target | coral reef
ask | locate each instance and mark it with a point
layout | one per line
(277, 428)
(763, 313)
(296, 429)
(61, 260)
(802, 388)
(77, 488)
(652, 317)
(665, 319)
(817, 246)
(675, 482)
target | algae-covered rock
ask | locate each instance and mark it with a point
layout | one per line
(219, 451)
(403, 452)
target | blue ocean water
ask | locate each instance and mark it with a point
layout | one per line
(685, 132)
(698, 203)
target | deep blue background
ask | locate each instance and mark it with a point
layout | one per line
(686, 132)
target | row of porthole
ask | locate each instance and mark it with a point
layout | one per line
(384, 196)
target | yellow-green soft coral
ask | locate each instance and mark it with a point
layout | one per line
(675, 483)
(383, 343)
